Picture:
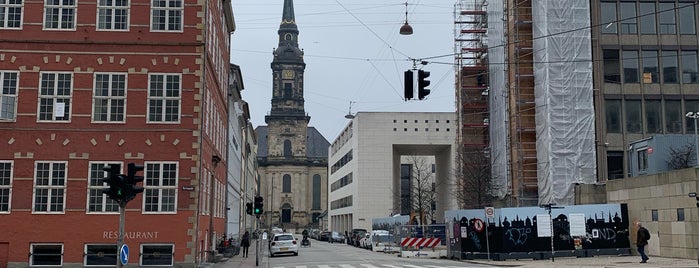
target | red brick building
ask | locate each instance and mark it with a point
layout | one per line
(89, 84)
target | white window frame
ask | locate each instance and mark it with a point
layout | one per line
(164, 99)
(113, 8)
(4, 96)
(49, 187)
(5, 19)
(151, 184)
(168, 16)
(8, 187)
(59, 8)
(172, 259)
(31, 253)
(105, 201)
(55, 97)
(85, 254)
(111, 97)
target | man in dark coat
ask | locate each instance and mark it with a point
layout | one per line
(245, 243)
(642, 236)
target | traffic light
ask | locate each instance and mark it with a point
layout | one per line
(408, 85)
(130, 187)
(115, 181)
(422, 83)
(257, 208)
(248, 208)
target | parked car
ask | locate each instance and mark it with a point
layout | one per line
(384, 243)
(324, 236)
(370, 238)
(364, 242)
(283, 243)
(357, 234)
(336, 237)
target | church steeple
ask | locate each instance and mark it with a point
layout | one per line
(287, 70)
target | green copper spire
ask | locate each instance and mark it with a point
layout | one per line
(288, 15)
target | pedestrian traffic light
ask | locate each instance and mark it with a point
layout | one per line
(130, 187)
(257, 207)
(115, 181)
(248, 208)
(408, 85)
(422, 83)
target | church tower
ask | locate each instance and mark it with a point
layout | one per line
(287, 120)
(292, 157)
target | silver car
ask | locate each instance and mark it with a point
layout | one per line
(283, 243)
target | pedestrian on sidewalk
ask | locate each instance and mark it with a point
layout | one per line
(245, 243)
(642, 236)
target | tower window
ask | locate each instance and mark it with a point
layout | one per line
(287, 148)
(287, 90)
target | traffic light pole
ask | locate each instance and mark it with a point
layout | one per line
(120, 241)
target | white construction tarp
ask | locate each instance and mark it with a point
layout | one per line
(565, 118)
(498, 123)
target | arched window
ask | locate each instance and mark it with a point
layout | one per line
(316, 191)
(287, 148)
(286, 183)
(286, 213)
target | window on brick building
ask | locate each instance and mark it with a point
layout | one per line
(60, 14)
(5, 185)
(113, 14)
(100, 254)
(8, 95)
(166, 15)
(46, 255)
(96, 200)
(55, 95)
(157, 255)
(160, 187)
(50, 187)
(11, 14)
(109, 104)
(164, 95)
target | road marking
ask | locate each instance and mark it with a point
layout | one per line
(324, 266)
(392, 266)
(304, 266)
(414, 266)
(346, 266)
(369, 266)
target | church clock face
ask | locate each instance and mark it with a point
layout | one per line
(288, 74)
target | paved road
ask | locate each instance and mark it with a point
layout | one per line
(325, 255)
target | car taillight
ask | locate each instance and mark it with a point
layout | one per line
(294, 242)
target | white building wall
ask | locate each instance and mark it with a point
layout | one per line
(377, 141)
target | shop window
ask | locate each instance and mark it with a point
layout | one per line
(46, 255)
(157, 255)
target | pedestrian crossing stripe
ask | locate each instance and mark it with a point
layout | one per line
(373, 266)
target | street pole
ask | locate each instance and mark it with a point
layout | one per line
(696, 139)
(257, 244)
(120, 240)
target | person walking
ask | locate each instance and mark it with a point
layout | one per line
(642, 236)
(245, 243)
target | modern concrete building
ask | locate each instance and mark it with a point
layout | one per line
(365, 165)
(90, 84)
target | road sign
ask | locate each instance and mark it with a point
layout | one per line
(489, 212)
(478, 225)
(124, 254)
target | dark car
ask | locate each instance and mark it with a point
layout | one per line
(336, 237)
(324, 236)
(355, 235)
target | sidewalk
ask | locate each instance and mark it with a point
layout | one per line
(593, 262)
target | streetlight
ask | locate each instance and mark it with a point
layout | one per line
(695, 115)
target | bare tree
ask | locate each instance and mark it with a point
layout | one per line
(423, 191)
(681, 157)
(473, 179)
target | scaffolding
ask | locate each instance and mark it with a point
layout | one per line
(472, 85)
(522, 104)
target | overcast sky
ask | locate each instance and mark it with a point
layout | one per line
(353, 54)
